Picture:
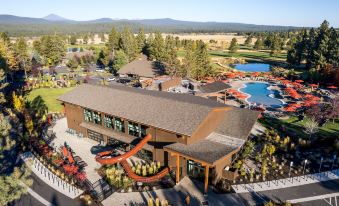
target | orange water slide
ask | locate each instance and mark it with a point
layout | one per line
(103, 157)
(138, 178)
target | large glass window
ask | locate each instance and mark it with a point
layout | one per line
(119, 124)
(88, 115)
(96, 117)
(133, 129)
(108, 121)
(143, 129)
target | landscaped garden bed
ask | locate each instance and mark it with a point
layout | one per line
(274, 156)
(117, 177)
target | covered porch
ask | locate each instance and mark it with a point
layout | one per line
(207, 157)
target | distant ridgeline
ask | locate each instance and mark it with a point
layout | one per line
(16, 26)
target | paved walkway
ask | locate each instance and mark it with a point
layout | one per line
(288, 182)
(81, 146)
(48, 177)
(175, 196)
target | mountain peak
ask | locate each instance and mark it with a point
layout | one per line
(54, 17)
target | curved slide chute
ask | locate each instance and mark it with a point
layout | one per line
(105, 158)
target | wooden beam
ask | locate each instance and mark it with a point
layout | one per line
(177, 174)
(206, 178)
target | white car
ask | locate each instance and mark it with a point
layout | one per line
(110, 79)
(99, 70)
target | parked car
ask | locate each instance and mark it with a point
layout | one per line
(110, 79)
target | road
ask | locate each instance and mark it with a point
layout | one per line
(46, 192)
(281, 195)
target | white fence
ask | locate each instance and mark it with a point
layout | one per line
(49, 177)
(287, 182)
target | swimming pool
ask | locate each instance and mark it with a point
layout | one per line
(260, 94)
(253, 67)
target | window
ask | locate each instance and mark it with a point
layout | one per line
(133, 129)
(143, 129)
(119, 124)
(88, 115)
(108, 121)
(96, 117)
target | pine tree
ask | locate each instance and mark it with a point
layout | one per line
(157, 47)
(85, 39)
(128, 44)
(102, 37)
(258, 44)
(170, 55)
(233, 46)
(73, 40)
(141, 40)
(120, 59)
(113, 40)
(21, 53)
(248, 40)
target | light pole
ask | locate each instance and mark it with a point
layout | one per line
(321, 162)
(305, 162)
(289, 172)
(334, 158)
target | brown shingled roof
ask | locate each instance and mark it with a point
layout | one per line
(141, 67)
(179, 113)
(214, 87)
(204, 150)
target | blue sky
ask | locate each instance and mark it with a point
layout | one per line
(269, 12)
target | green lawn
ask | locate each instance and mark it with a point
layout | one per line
(251, 55)
(262, 55)
(293, 126)
(49, 96)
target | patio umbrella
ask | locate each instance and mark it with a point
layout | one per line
(299, 81)
(289, 109)
(241, 96)
(296, 105)
(313, 85)
(232, 90)
(308, 96)
(332, 87)
(64, 151)
(70, 158)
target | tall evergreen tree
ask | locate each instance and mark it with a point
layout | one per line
(233, 46)
(170, 55)
(128, 43)
(113, 40)
(248, 40)
(141, 40)
(258, 44)
(85, 39)
(157, 47)
(21, 52)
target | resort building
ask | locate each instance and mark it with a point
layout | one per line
(141, 68)
(191, 135)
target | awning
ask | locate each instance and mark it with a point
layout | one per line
(115, 135)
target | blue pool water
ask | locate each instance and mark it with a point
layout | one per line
(253, 67)
(260, 94)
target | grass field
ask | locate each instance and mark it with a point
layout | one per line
(292, 125)
(49, 95)
(262, 55)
